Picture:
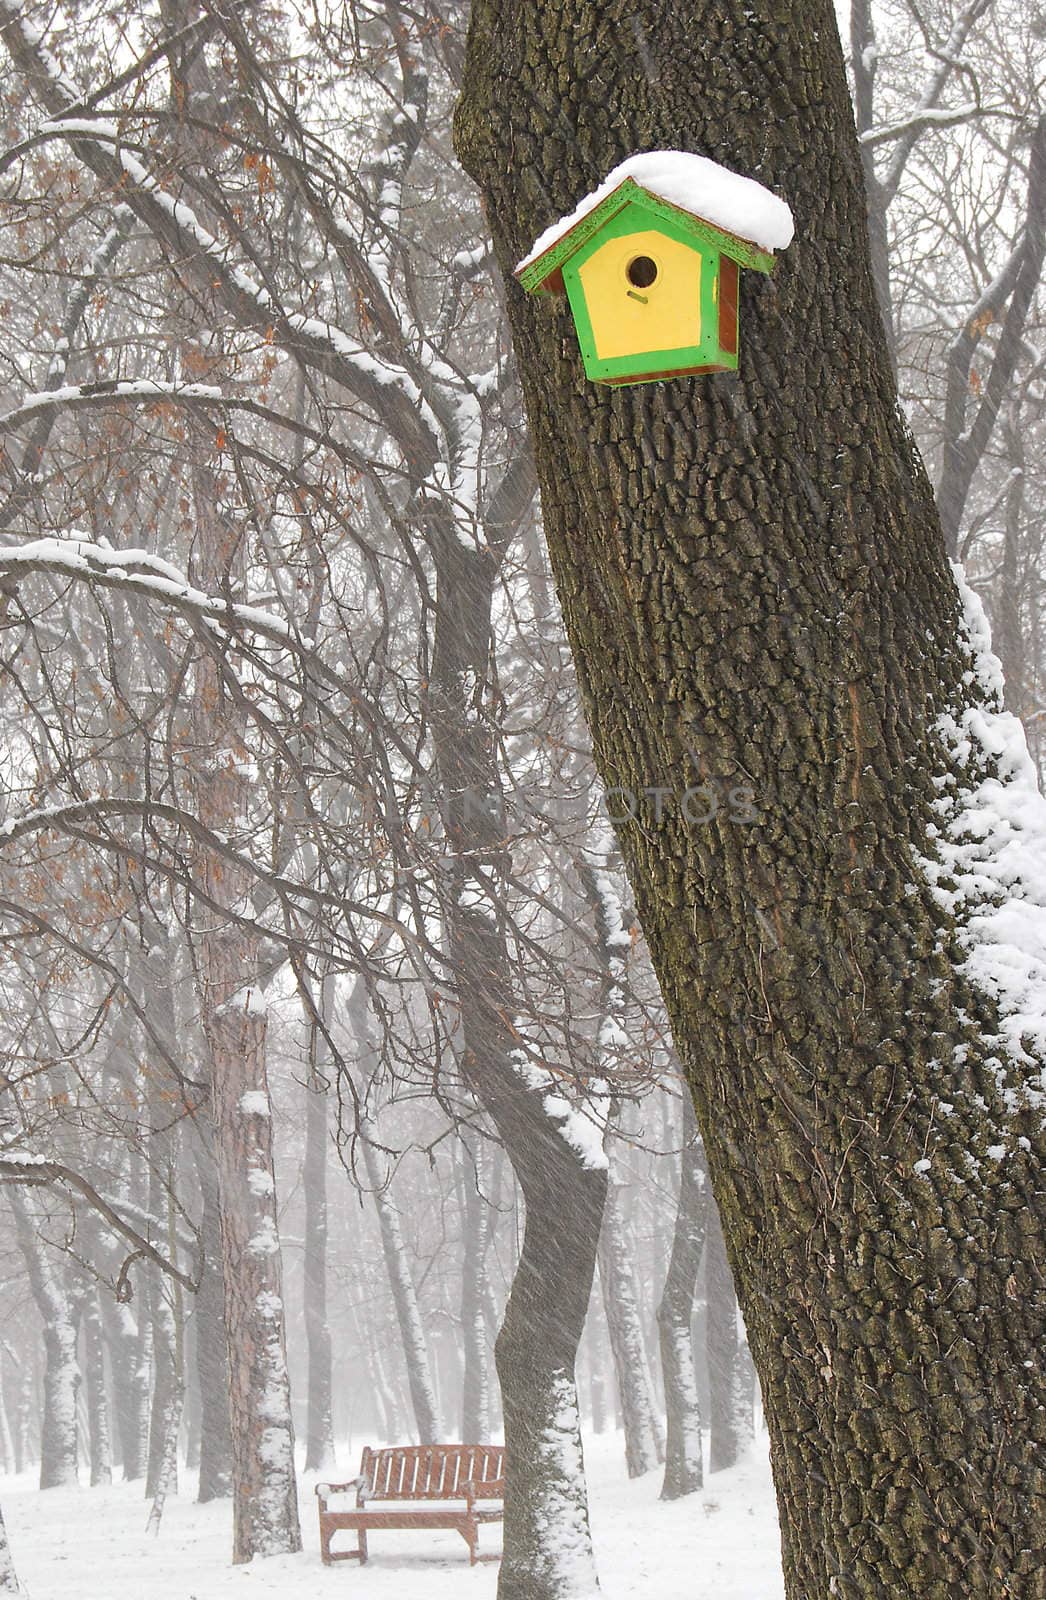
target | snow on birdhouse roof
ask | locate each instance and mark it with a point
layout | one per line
(694, 184)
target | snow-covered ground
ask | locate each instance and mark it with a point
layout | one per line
(90, 1544)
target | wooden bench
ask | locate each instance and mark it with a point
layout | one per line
(458, 1486)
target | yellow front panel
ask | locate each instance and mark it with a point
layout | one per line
(664, 315)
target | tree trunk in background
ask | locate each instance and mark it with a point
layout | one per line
(683, 1458)
(731, 1428)
(61, 1373)
(212, 1341)
(597, 1378)
(101, 1452)
(754, 582)
(159, 1296)
(23, 1413)
(8, 1578)
(547, 1541)
(475, 1221)
(405, 1300)
(233, 1014)
(167, 1419)
(7, 1444)
(319, 1434)
(644, 1447)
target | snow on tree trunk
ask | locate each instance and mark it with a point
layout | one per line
(730, 1415)
(548, 1550)
(61, 1372)
(234, 1019)
(683, 1447)
(212, 1342)
(319, 1435)
(8, 1578)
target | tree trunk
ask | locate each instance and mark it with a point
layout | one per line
(731, 1422)
(404, 1298)
(683, 1459)
(8, 1578)
(319, 1433)
(61, 1373)
(233, 1014)
(212, 1340)
(100, 1439)
(754, 581)
(643, 1441)
(475, 1222)
(547, 1543)
(160, 1301)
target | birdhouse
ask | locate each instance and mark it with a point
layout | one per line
(650, 264)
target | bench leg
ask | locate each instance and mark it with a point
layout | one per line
(329, 1556)
(470, 1533)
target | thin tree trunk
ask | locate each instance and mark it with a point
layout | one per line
(476, 1219)
(754, 581)
(169, 1422)
(644, 1448)
(212, 1342)
(99, 1435)
(166, 1395)
(319, 1434)
(8, 1578)
(683, 1450)
(404, 1298)
(731, 1430)
(61, 1373)
(23, 1414)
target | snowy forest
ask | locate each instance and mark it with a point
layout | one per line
(464, 956)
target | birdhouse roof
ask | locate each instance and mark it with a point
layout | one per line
(714, 205)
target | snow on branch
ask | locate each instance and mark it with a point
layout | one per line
(17, 1166)
(383, 386)
(929, 117)
(142, 573)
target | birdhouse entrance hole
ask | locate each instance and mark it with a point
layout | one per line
(641, 272)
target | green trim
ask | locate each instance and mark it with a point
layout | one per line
(633, 218)
(683, 224)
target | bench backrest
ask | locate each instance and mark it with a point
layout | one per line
(430, 1471)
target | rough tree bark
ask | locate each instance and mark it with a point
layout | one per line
(754, 581)
(683, 1459)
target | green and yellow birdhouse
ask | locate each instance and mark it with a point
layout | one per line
(650, 264)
